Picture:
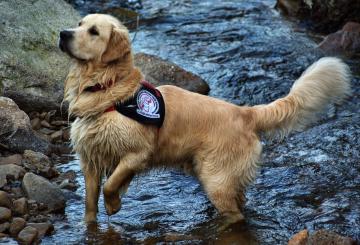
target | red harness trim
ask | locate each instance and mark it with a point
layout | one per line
(98, 87)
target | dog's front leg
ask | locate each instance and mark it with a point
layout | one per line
(92, 188)
(120, 179)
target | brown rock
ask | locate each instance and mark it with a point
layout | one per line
(5, 214)
(343, 42)
(21, 206)
(5, 200)
(28, 235)
(324, 237)
(35, 123)
(300, 238)
(66, 134)
(56, 136)
(42, 115)
(16, 226)
(12, 170)
(160, 72)
(13, 159)
(44, 123)
(2, 235)
(4, 227)
(44, 229)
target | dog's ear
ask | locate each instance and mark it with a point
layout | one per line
(118, 46)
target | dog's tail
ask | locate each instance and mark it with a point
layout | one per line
(326, 81)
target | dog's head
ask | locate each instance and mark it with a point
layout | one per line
(98, 37)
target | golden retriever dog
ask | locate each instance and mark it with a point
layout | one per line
(219, 140)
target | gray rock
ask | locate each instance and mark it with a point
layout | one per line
(44, 229)
(15, 130)
(5, 200)
(10, 170)
(28, 235)
(13, 159)
(32, 68)
(39, 164)
(43, 191)
(16, 226)
(5, 214)
(160, 72)
(21, 206)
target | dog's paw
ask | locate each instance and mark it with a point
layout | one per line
(112, 204)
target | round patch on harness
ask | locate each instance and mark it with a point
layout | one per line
(148, 105)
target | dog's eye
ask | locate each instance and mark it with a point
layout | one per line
(93, 31)
(80, 23)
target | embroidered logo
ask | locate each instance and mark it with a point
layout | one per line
(148, 105)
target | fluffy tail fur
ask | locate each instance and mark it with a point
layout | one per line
(326, 81)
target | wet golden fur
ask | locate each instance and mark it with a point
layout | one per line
(219, 140)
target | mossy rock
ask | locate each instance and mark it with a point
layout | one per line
(32, 68)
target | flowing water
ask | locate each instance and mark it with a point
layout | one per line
(249, 55)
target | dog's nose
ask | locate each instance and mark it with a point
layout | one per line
(66, 34)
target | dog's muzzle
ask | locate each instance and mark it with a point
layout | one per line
(65, 37)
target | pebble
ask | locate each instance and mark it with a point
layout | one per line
(28, 235)
(4, 226)
(16, 226)
(44, 229)
(21, 206)
(5, 200)
(5, 214)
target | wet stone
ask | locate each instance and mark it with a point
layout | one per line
(5, 200)
(5, 214)
(13, 159)
(21, 206)
(4, 227)
(16, 226)
(28, 235)
(35, 123)
(44, 229)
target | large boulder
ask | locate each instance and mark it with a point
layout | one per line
(322, 15)
(15, 129)
(161, 72)
(32, 69)
(43, 191)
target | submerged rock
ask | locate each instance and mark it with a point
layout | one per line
(43, 191)
(15, 131)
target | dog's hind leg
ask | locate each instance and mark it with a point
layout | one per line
(225, 194)
(92, 188)
(120, 179)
